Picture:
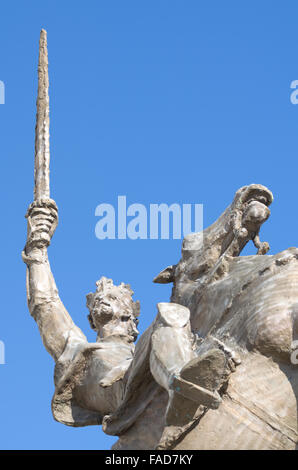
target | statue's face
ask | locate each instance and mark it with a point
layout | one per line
(112, 314)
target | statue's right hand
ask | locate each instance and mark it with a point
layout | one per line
(42, 216)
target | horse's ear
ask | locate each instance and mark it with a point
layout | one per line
(166, 275)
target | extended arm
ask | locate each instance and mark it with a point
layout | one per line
(55, 324)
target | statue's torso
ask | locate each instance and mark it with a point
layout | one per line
(89, 380)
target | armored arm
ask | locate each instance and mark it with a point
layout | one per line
(55, 324)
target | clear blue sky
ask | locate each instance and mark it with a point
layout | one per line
(161, 101)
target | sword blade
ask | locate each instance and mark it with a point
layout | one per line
(42, 129)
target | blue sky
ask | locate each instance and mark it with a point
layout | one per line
(161, 101)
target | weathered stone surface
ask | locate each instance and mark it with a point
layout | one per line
(195, 393)
(258, 411)
(208, 371)
(213, 370)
